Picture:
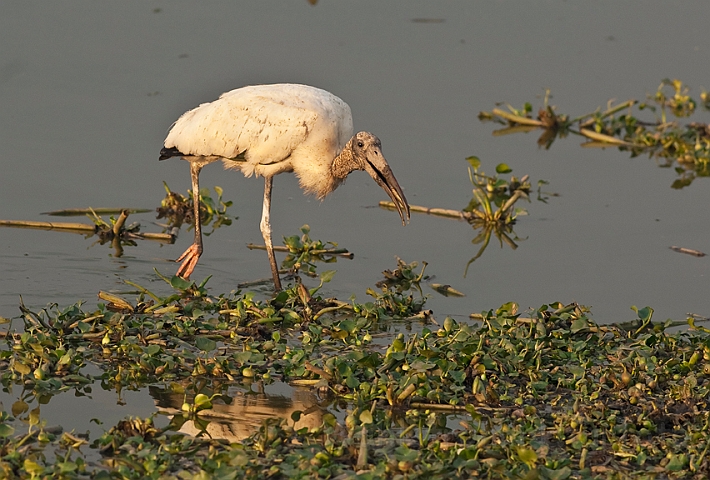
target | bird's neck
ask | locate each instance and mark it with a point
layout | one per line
(344, 163)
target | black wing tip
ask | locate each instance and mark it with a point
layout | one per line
(166, 153)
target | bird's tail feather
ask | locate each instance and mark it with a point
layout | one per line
(166, 153)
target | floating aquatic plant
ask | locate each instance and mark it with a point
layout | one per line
(549, 394)
(684, 146)
(178, 209)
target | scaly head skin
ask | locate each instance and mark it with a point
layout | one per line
(367, 153)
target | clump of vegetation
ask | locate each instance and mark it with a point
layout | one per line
(548, 395)
(178, 209)
(492, 209)
(397, 292)
(683, 145)
(303, 252)
(494, 197)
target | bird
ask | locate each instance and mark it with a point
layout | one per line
(265, 130)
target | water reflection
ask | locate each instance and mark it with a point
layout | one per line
(240, 413)
(114, 232)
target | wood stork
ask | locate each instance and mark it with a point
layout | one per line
(265, 130)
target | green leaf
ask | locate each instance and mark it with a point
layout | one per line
(65, 359)
(577, 370)
(348, 325)
(540, 385)
(420, 366)
(559, 474)
(202, 401)
(503, 168)
(21, 368)
(6, 430)
(205, 344)
(152, 349)
(19, 407)
(242, 357)
(34, 416)
(677, 462)
(365, 417)
(180, 283)
(398, 345)
(579, 325)
(282, 297)
(474, 161)
(33, 468)
(327, 276)
(293, 243)
(644, 313)
(352, 382)
(528, 456)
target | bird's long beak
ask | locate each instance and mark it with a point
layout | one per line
(380, 171)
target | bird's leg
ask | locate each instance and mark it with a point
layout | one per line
(266, 231)
(190, 257)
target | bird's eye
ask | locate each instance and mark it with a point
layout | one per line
(360, 144)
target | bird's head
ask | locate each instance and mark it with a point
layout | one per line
(367, 153)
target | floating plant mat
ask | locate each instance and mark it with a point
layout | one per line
(175, 208)
(655, 129)
(548, 394)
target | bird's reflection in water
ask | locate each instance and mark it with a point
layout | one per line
(243, 415)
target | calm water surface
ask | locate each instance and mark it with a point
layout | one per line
(88, 91)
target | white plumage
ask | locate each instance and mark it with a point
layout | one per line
(265, 130)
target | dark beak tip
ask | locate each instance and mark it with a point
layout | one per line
(403, 213)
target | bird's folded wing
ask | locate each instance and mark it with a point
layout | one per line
(263, 130)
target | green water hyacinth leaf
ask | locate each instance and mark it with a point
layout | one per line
(19, 407)
(558, 474)
(365, 417)
(152, 349)
(577, 371)
(205, 344)
(644, 313)
(474, 161)
(327, 276)
(6, 430)
(348, 325)
(527, 456)
(420, 366)
(202, 401)
(579, 325)
(21, 368)
(242, 357)
(34, 468)
(677, 462)
(34, 417)
(180, 283)
(503, 168)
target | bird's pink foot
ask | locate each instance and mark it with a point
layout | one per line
(189, 260)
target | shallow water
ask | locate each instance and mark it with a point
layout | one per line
(89, 90)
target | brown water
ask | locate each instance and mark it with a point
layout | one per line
(88, 91)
